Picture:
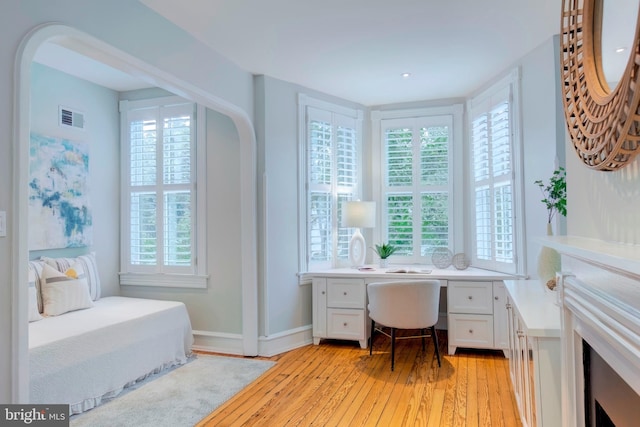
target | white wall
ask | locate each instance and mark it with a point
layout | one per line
(541, 115)
(51, 88)
(603, 205)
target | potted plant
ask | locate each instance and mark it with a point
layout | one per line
(555, 195)
(555, 199)
(384, 251)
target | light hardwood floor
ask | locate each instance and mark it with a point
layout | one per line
(338, 384)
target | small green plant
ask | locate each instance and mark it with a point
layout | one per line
(385, 250)
(555, 193)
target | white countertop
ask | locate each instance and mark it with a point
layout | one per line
(537, 307)
(424, 272)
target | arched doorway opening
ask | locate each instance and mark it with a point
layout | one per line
(120, 60)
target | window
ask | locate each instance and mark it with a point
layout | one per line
(417, 183)
(494, 160)
(330, 175)
(159, 199)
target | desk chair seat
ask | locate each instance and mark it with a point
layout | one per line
(404, 305)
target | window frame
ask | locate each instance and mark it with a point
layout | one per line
(453, 115)
(305, 103)
(483, 103)
(194, 276)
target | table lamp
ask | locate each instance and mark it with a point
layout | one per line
(359, 215)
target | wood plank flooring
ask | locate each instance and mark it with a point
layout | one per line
(338, 384)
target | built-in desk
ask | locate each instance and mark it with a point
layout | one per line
(472, 306)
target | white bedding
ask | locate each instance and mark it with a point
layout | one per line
(83, 356)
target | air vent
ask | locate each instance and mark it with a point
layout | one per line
(68, 117)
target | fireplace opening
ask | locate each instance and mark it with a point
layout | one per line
(608, 400)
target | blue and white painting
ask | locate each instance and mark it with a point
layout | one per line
(59, 212)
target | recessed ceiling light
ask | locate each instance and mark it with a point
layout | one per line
(620, 49)
(406, 75)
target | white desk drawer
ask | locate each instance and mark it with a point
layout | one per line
(345, 323)
(346, 293)
(471, 330)
(470, 297)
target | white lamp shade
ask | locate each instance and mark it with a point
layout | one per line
(359, 214)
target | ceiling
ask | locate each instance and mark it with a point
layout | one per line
(358, 49)
(354, 49)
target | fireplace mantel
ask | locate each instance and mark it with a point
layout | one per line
(620, 257)
(599, 295)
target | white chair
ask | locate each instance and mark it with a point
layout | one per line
(404, 305)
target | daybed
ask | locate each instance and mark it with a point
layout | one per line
(81, 356)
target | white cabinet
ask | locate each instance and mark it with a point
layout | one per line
(340, 310)
(500, 317)
(476, 315)
(534, 352)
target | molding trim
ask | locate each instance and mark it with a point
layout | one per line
(219, 342)
(286, 341)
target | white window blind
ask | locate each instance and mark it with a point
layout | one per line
(332, 165)
(417, 182)
(493, 179)
(159, 197)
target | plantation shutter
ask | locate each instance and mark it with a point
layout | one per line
(333, 178)
(161, 188)
(493, 176)
(417, 185)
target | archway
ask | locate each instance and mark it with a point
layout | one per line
(120, 60)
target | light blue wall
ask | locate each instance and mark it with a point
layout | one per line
(52, 88)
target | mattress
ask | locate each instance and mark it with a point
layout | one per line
(85, 356)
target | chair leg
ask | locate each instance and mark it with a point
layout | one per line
(435, 343)
(393, 347)
(373, 328)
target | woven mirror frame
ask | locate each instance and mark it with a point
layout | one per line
(604, 124)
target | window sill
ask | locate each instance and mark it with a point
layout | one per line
(164, 280)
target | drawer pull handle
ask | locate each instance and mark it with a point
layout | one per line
(470, 331)
(470, 297)
(323, 292)
(344, 324)
(496, 298)
(345, 293)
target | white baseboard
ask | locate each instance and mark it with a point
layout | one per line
(217, 342)
(285, 341)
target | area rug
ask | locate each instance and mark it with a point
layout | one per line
(181, 397)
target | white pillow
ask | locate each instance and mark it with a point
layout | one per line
(63, 292)
(89, 266)
(34, 314)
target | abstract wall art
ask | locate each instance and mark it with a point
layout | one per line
(59, 211)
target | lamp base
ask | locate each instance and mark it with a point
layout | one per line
(357, 249)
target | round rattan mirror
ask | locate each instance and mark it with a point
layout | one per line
(603, 122)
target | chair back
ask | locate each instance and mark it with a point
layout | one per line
(404, 305)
